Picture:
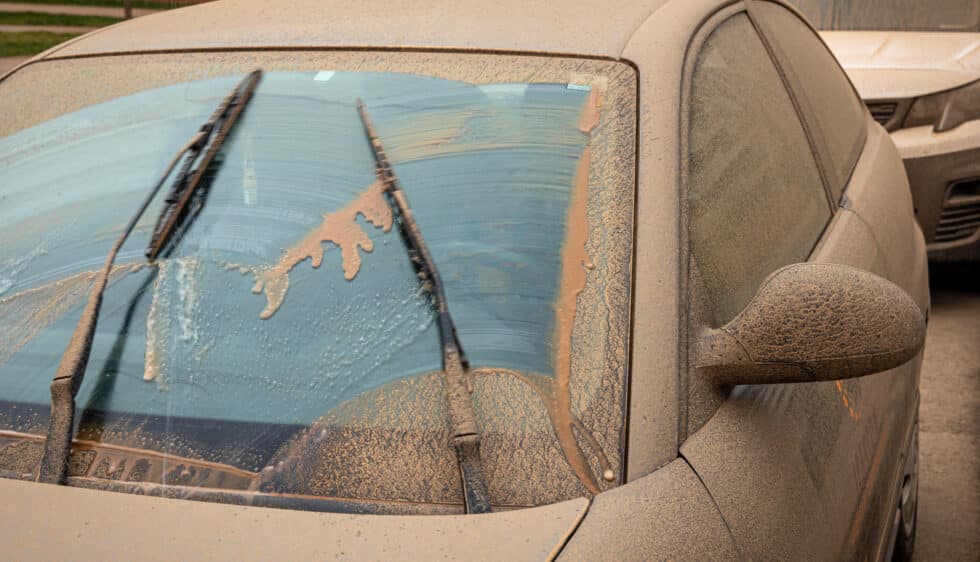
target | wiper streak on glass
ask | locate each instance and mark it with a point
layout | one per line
(189, 180)
(71, 370)
(465, 432)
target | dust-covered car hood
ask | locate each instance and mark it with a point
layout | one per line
(78, 524)
(893, 65)
(666, 514)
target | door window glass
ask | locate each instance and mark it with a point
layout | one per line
(756, 198)
(837, 112)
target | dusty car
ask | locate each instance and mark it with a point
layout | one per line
(917, 66)
(641, 281)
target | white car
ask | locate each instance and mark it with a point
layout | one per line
(917, 66)
(681, 344)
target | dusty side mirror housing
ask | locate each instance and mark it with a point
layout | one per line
(814, 322)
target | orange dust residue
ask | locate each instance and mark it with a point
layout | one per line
(589, 117)
(340, 228)
(575, 265)
(848, 402)
(544, 387)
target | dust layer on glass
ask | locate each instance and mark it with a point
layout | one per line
(289, 324)
(892, 15)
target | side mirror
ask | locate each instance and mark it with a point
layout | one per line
(814, 322)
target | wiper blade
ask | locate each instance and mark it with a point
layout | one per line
(188, 180)
(465, 432)
(71, 371)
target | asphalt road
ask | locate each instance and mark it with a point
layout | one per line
(949, 486)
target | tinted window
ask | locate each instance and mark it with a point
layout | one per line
(837, 112)
(756, 199)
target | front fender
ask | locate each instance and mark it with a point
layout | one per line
(667, 514)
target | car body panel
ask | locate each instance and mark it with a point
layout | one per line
(819, 453)
(667, 512)
(893, 69)
(878, 193)
(763, 466)
(654, 385)
(905, 50)
(59, 522)
(892, 83)
(921, 142)
(945, 188)
(509, 25)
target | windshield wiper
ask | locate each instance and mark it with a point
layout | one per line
(464, 433)
(71, 371)
(188, 180)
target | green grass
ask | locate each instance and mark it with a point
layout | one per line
(30, 42)
(163, 5)
(38, 18)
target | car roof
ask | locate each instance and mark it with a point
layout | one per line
(582, 27)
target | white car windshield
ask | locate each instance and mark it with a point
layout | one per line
(287, 331)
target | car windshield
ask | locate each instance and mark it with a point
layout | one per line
(892, 15)
(285, 346)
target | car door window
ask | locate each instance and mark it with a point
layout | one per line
(756, 199)
(832, 109)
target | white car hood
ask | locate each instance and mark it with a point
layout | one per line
(891, 65)
(48, 522)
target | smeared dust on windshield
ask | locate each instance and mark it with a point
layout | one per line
(176, 301)
(340, 228)
(25, 314)
(308, 459)
(576, 263)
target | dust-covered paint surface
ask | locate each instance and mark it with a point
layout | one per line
(292, 301)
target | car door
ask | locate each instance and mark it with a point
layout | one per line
(783, 166)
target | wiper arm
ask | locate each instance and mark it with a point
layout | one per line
(464, 433)
(71, 370)
(188, 180)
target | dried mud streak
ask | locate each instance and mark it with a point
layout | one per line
(589, 117)
(153, 356)
(848, 402)
(67, 292)
(340, 228)
(575, 263)
(427, 135)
